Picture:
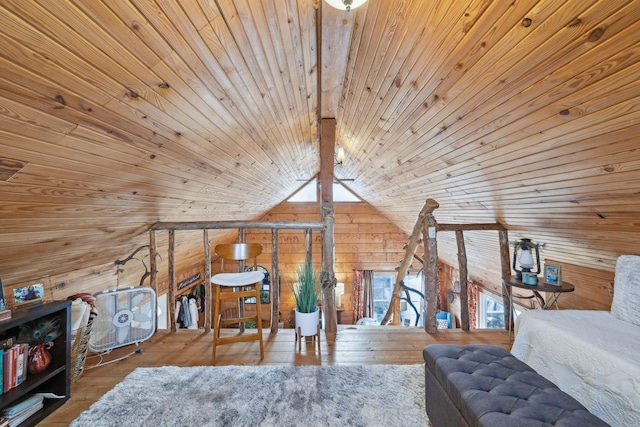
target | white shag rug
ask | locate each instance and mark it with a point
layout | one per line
(345, 395)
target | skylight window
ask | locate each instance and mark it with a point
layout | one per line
(309, 193)
(341, 194)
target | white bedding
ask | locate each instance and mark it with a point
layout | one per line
(590, 355)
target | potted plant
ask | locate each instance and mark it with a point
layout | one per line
(307, 292)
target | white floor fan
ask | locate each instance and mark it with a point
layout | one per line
(125, 316)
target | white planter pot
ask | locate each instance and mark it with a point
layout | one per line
(307, 322)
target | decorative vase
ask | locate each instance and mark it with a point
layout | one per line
(307, 322)
(39, 358)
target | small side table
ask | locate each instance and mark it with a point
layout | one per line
(552, 300)
(315, 338)
(554, 290)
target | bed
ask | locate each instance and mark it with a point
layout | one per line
(594, 356)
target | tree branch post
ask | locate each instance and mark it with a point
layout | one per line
(393, 312)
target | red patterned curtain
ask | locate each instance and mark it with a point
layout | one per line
(472, 295)
(362, 295)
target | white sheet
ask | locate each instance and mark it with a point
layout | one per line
(79, 314)
(590, 355)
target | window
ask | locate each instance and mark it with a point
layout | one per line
(342, 194)
(383, 284)
(490, 312)
(309, 193)
(413, 281)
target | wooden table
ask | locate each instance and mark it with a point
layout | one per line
(554, 290)
(552, 300)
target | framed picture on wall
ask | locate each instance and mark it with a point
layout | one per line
(552, 274)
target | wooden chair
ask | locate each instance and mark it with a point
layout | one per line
(237, 286)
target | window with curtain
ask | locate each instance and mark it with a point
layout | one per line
(362, 295)
(373, 291)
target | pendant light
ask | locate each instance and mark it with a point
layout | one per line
(346, 4)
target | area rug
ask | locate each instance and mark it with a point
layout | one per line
(345, 395)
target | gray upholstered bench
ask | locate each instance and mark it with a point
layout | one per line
(482, 385)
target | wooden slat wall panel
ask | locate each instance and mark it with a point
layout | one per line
(364, 239)
(116, 115)
(594, 288)
(138, 96)
(495, 145)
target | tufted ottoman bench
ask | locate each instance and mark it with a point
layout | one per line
(482, 385)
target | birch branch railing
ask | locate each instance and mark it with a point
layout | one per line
(428, 227)
(393, 312)
(172, 227)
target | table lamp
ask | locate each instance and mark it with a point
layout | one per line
(339, 293)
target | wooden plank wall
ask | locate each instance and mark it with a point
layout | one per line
(118, 114)
(364, 239)
(594, 288)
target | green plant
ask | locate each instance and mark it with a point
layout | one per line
(307, 290)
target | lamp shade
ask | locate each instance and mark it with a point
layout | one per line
(526, 259)
(346, 4)
(340, 156)
(339, 292)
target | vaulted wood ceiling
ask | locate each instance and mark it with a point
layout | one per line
(118, 114)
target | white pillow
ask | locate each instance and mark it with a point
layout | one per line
(626, 289)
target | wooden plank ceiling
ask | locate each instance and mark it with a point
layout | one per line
(118, 114)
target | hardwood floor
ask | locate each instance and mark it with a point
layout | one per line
(351, 345)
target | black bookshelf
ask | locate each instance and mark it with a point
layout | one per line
(56, 378)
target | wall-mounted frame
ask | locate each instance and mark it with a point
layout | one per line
(553, 274)
(188, 284)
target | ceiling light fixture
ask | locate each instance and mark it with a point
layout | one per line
(340, 156)
(346, 4)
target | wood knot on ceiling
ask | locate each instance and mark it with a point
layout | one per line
(10, 167)
(596, 35)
